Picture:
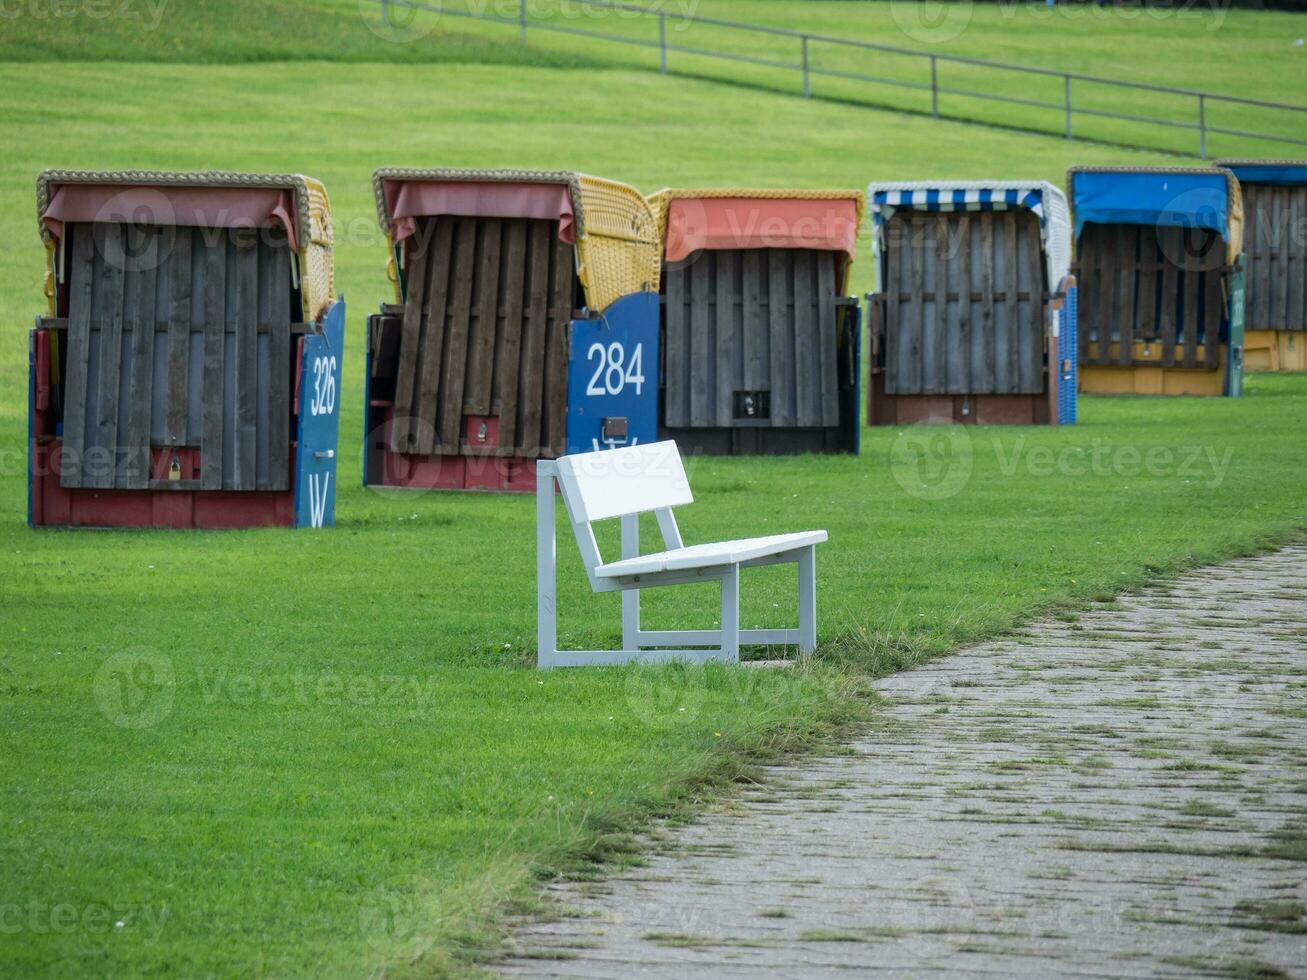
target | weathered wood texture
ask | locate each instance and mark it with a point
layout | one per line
(965, 303)
(484, 335)
(752, 320)
(1162, 287)
(1275, 257)
(177, 338)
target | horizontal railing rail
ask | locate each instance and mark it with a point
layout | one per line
(1295, 115)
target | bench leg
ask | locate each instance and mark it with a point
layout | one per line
(808, 600)
(546, 544)
(631, 597)
(727, 638)
(731, 615)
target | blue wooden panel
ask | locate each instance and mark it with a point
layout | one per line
(1234, 340)
(319, 421)
(612, 373)
(1068, 350)
(31, 422)
(857, 380)
(367, 403)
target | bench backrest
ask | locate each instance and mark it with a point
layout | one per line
(621, 483)
(617, 482)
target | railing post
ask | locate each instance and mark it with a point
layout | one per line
(521, 20)
(1066, 96)
(1202, 126)
(934, 86)
(807, 88)
(662, 43)
(385, 12)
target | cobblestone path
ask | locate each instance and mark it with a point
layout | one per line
(1120, 795)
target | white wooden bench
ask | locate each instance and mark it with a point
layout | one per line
(626, 483)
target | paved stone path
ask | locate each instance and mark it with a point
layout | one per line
(1123, 795)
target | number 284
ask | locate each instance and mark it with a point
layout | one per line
(614, 370)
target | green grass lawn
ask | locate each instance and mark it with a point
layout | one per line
(1236, 52)
(347, 768)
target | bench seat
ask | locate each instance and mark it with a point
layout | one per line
(712, 555)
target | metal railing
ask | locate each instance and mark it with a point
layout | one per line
(1066, 109)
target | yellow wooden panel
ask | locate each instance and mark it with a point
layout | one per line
(1275, 350)
(1101, 380)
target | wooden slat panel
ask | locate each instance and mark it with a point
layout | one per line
(1284, 258)
(780, 338)
(1109, 272)
(453, 374)
(215, 335)
(1259, 276)
(80, 296)
(1212, 310)
(478, 390)
(893, 290)
(1297, 273)
(1091, 317)
(508, 358)
(1257, 254)
(900, 302)
(1251, 231)
(231, 354)
(274, 366)
(109, 312)
(1277, 240)
(179, 338)
(561, 288)
(408, 370)
(144, 288)
(961, 264)
(1274, 241)
(1271, 263)
(984, 372)
(1033, 375)
(245, 468)
(1168, 316)
(170, 289)
(807, 397)
(925, 251)
(965, 304)
(432, 332)
(279, 365)
(1083, 269)
(1128, 246)
(943, 319)
(752, 320)
(951, 285)
(749, 271)
(262, 368)
(677, 318)
(1008, 370)
(910, 357)
(730, 338)
(703, 331)
(533, 347)
(134, 238)
(1189, 281)
(827, 340)
(1281, 267)
(1146, 320)
(1293, 265)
